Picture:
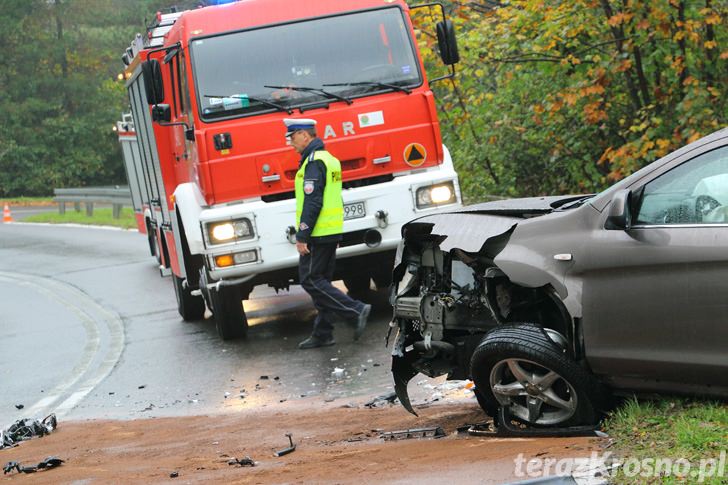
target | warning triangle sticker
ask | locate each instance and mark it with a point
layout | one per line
(415, 154)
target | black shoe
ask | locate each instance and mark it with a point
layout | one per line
(361, 322)
(313, 342)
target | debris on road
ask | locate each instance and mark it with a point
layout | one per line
(436, 432)
(47, 464)
(478, 429)
(290, 449)
(245, 461)
(174, 475)
(19, 406)
(24, 429)
(337, 373)
(504, 425)
(377, 401)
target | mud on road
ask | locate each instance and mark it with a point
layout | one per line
(336, 442)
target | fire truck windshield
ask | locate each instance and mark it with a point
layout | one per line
(343, 57)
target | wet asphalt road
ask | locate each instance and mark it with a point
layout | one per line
(90, 330)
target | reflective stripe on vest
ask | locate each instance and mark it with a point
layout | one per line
(331, 218)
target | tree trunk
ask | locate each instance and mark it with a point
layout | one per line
(682, 45)
(618, 34)
(62, 56)
(710, 54)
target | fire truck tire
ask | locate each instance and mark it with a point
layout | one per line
(382, 278)
(357, 283)
(153, 246)
(227, 309)
(190, 307)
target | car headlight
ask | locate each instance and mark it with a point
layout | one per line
(229, 231)
(434, 195)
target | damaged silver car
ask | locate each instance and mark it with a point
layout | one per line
(552, 304)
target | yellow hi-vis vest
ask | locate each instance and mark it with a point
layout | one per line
(331, 218)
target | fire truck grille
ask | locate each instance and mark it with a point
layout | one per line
(346, 185)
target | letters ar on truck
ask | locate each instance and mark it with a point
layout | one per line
(211, 176)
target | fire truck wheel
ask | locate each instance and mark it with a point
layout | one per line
(153, 246)
(190, 307)
(382, 278)
(227, 308)
(357, 283)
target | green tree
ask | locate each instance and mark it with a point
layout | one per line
(60, 96)
(571, 96)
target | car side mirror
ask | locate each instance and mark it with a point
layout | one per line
(619, 216)
(153, 86)
(161, 112)
(447, 43)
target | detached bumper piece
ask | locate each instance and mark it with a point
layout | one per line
(406, 434)
(48, 463)
(505, 425)
(24, 429)
(402, 372)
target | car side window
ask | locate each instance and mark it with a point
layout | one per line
(695, 192)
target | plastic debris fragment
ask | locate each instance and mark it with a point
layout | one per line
(436, 432)
(245, 461)
(24, 429)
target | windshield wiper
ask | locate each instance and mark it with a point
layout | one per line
(578, 201)
(257, 100)
(305, 89)
(373, 83)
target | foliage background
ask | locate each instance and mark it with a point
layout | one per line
(550, 96)
(59, 93)
(570, 96)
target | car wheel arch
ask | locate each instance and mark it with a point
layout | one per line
(546, 309)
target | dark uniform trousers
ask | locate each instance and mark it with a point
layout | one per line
(315, 271)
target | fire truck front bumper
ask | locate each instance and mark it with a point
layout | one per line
(247, 239)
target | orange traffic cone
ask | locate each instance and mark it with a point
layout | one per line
(6, 214)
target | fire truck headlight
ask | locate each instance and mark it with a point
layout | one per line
(227, 260)
(435, 195)
(228, 231)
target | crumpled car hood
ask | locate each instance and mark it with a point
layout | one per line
(461, 230)
(526, 207)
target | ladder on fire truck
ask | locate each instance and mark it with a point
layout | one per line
(156, 30)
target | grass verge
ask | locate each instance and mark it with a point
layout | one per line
(100, 217)
(670, 441)
(26, 201)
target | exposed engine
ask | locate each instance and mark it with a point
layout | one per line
(444, 303)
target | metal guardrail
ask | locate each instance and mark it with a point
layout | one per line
(117, 196)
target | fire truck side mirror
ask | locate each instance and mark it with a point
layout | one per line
(153, 86)
(161, 112)
(447, 43)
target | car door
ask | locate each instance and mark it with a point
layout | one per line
(655, 296)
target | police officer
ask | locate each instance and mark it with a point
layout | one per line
(319, 223)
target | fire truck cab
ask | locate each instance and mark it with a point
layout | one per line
(211, 174)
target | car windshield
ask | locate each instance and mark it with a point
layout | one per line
(317, 61)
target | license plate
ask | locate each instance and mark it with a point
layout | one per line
(354, 211)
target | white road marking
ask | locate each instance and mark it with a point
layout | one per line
(90, 370)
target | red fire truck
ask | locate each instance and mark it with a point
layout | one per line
(211, 175)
